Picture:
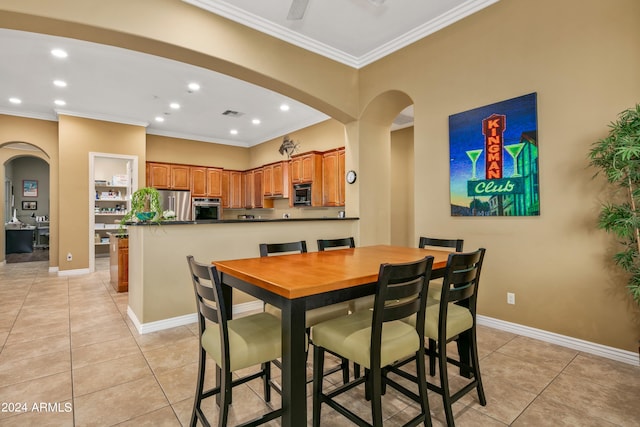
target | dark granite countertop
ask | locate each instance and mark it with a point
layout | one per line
(235, 221)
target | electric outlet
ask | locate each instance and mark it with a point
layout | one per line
(69, 256)
(511, 298)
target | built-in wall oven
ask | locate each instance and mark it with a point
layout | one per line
(206, 209)
(302, 195)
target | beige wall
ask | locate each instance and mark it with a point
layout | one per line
(401, 201)
(583, 60)
(163, 149)
(580, 56)
(77, 138)
(319, 137)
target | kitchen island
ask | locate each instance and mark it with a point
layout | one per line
(160, 289)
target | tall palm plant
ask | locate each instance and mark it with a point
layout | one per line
(618, 157)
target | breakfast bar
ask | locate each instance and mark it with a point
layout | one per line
(160, 291)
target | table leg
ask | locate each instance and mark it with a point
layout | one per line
(294, 370)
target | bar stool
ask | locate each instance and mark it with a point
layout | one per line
(454, 318)
(377, 339)
(233, 344)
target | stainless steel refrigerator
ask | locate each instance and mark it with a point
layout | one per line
(178, 201)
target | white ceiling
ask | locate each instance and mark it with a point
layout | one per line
(113, 84)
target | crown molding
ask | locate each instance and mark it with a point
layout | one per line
(278, 31)
(102, 117)
(31, 115)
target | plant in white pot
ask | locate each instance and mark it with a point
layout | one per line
(618, 157)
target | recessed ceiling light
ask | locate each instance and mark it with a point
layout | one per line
(284, 107)
(159, 119)
(60, 83)
(233, 131)
(59, 53)
(194, 86)
(255, 121)
(174, 105)
(15, 100)
(59, 102)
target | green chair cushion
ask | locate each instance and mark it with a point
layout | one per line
(253, 340)
(459, 319)
(317, 315)
(349, 336)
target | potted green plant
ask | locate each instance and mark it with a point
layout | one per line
(617, 156)
(145, 207)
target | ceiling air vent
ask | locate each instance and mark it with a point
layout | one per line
(232, 113)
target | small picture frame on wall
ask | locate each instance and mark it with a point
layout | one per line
(29, 205)
(29, 188)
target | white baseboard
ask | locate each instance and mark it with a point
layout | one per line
(53, 269)
(562, 340)
(574, 343)
(75, 272)
(145, 328)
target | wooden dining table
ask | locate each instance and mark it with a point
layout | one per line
(298, 282)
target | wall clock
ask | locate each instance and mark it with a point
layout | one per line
(351, 177)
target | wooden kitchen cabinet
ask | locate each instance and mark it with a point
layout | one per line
(247, 187)
(276, 179)
(333, 178)
(258, 196)
(306, 168)
(198, 181)
(168, 176)
(214, 182)
(158, 175)
(232, 189)
(119, 262)
(180, 177)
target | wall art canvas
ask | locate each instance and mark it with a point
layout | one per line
(29, 188)
(494, 159)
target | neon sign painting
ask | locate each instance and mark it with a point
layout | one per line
(494, 159)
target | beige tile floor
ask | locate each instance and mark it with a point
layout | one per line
(69, 356)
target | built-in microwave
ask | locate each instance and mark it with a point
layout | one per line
(206, 209)
(302, 195)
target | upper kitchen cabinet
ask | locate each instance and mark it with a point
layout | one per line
(276, 179)
(168, 176)
(206, 182)
(333, 178)
(306, 168)
(232, 189)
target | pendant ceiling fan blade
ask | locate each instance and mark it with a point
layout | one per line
(297, 9)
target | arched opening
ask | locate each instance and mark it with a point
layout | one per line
(386, 164)
(26, 202)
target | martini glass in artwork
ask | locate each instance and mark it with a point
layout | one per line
(473, 155)
(514, 150)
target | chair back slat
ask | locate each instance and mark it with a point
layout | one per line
(346, 242)
(457, 244)
(267, 249)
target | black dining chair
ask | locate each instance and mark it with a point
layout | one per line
(454, 318)
(315, 315)
(435, 285)
(233, 344)
(375, 339)
(344, 242)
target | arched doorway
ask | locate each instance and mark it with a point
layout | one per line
(26, 203)
(386, 164)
